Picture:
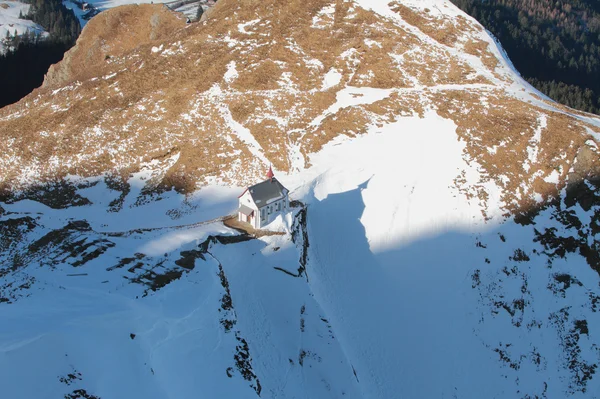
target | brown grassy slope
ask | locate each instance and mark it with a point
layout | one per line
(451, 32)
(113, 34)
(163, 91)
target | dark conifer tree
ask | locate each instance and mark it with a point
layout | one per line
(555, 45)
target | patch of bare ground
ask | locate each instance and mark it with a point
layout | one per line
(245, 228)
(444, 30)
(13, 232)
(449, 32)
(438, 67)
(54, 194)
(74, 244)
(262, 113)
(397, 105)
(481, 49)
(80, 394)
(131, 101)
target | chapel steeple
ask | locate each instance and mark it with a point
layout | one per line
(270, 174)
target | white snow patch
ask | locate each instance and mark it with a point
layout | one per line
(242, 27)
(592, 133)
(372, 43)
(534, 143)
(324, 17)
(553, 177)
(332, 78)
(231, 74)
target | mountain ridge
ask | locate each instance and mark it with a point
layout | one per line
(262, 86)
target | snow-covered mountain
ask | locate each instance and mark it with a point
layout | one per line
(444, 240)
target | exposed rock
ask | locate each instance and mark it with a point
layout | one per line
(111, 35)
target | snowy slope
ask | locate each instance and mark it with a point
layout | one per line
(11, 24)
(425, 293)
(187, 7)
(95, 7)
(389, 294)
(388, 304)
(431, 256)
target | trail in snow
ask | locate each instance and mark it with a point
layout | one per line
(241, 132)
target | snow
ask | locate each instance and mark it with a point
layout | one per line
(331, 79)
(153, 365)
(11, 24)
(231, 73)
(206, 204)
(392, 251)
(533, 148)
(180, 346)
(372, 43)
(388, 309)
(553, 177)
(240, 131)
(242, 27)
(389, 306)
(324, 17)
(595, 135)
(282, 223)
(333, 325)
(411, 210)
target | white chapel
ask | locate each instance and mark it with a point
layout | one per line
(260, 204)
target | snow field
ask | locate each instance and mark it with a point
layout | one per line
(390, 306)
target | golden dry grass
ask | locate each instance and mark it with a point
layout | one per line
(176, 101)
(112, 35)
(481, 49)
(446, 31)
(498, 138)
(449, 32)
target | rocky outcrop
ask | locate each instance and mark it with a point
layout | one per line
(111, 35)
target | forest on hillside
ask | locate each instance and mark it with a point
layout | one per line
(554, 44)
(23, 66)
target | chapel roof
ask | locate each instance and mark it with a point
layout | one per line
(267, 191)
